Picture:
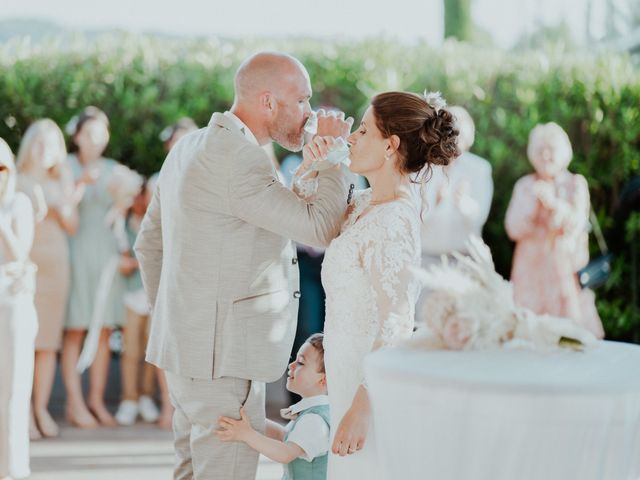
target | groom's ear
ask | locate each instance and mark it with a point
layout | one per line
(268, 102)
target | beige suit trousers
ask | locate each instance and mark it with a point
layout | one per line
(198, 405)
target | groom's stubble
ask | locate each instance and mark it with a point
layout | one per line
(286, 130)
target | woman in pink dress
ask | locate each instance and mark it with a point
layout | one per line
(44, 176)
(548, 218)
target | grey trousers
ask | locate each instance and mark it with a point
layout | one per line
(198, 405)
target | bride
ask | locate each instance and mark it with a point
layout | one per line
(371, 294)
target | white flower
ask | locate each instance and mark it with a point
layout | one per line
(471, 307)
(124, 184)
(435, 100)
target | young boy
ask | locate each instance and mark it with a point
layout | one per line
(138, 377)
(302, 446)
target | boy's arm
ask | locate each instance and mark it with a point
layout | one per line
(241, 431)
(276, 450)
(275, 430)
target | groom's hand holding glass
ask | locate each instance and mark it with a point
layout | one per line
(333, 124)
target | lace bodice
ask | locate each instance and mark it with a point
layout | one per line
(366, 273)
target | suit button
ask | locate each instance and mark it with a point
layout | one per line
(294, 261)
(297, 294)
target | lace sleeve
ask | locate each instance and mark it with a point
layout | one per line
(389, 258)
(305, 187)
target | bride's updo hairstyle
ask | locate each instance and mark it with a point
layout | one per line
(423, 125)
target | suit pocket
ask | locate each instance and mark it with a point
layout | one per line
(254, 335)
(260, 303)
(263, 332)
(255, 318)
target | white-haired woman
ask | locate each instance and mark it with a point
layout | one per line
(44, 175)
(548, 218)
(18, 320)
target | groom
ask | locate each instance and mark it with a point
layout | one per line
(218, 265)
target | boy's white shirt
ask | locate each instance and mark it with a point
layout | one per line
(311, 432)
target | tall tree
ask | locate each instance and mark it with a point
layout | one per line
(457, 19)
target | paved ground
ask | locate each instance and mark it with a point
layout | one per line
(140, 452)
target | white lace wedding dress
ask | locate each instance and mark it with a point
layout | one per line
(371, 297)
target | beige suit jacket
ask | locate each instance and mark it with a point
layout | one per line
(216, 256)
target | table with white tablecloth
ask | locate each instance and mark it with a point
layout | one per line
(507, 414)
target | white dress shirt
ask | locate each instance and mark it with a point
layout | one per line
(311, 432)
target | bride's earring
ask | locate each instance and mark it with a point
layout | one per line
(387, 155)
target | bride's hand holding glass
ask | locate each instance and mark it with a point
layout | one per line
(315, 151)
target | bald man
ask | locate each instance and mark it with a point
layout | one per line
(218, 264)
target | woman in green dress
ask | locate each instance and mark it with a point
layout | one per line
(92, 250)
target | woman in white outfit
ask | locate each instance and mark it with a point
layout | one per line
(371, 292)
(18, 320)
(458, 199)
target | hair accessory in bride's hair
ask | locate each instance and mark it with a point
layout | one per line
(435, 100)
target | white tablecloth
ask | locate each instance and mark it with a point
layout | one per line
(508, 414)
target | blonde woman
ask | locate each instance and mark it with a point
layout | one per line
(18, 320)
(44, 175)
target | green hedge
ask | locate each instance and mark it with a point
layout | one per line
(145, 83)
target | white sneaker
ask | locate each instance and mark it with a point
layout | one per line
(127, 412)
(148, 410)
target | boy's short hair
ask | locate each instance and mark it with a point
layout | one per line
(316, 341)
